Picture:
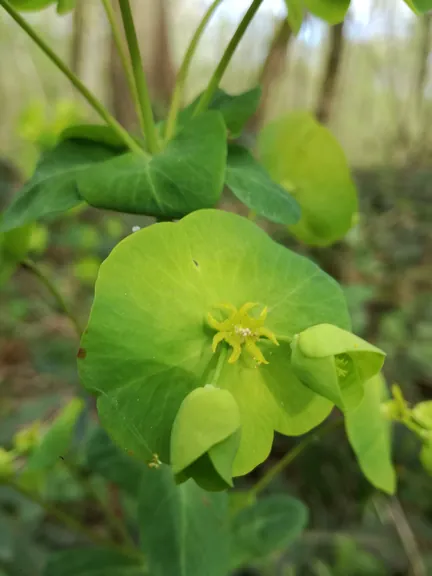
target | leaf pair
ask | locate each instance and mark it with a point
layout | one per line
(189, 173)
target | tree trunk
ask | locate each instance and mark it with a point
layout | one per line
(328, 90)
(272, 69)
(161, 73)
(78, 37)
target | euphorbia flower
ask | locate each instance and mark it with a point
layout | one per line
(335, 363)
(156, 334)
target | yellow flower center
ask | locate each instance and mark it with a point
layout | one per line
(240, 329)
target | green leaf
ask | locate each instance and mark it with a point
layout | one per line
(249, 181)
(295, 14)
(65, 6)
(31, 5)
(335, 363)
(96, 133)
(235, 109)
(58, 438)
(184, 530)
(113, 464)
(93, 562)
(306, 159)
(426, 457)
(332, 11)
(148, 343)
(205, 436)
(187, 175)
(369, 434)
(14, 245)
(423, 413)
(419, 6)
(270, 524)
(53, 189)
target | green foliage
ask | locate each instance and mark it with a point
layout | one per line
(63, 6)
(93, 562)
(184, 530)
(53, 188)
(419, 6)
(187, 175)
(295, 14)
(271, 524)
(14, 245)
(205, 437)
(235, 109)
(210, 257)
(305, 158)
(335, 363)
(249, 181)
(369, 433)
(57, 440)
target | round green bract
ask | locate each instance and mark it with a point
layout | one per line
(148, 343)
(305, 158)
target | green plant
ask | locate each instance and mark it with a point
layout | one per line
(205, 336)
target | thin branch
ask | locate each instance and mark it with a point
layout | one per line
(85, 92)
(32, 267)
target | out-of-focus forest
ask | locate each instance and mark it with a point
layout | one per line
(370, 81)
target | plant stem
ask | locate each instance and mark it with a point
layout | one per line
(140, 77)
(85, 92)
(226, 58)
(291, 456)
(69, 521)
(220, 363)
(118, 40)
(184, 69)
(30, 266)
(113, 521)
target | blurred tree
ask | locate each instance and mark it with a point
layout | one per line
(326, 95)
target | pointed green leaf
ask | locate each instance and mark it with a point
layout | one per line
(419, 6)
(31, 5)
(295, 14)
(335, 363)
(53, 189)
(426, 457)
(306, 159)
(249, 181)
(270, 524)
(235, 109)
(206, 425)
(423, 413)
(184, 530)
(97, 133)
(369, 434)
(187, 175)
(65, 6)
(58, 438)
(148, 342)
(14, 246)
(332, 11)
(93, 562)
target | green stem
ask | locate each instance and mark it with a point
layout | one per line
(118, 40)
(140, 77)
(220, 364)
(226, 58)
(184, 70)
(85, 92)
(291, 456)
(69, 521)
(30, 266)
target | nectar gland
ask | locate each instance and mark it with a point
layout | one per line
(240, 329)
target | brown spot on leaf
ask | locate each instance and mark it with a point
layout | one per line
(82, 353)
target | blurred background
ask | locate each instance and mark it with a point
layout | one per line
(370, 81)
